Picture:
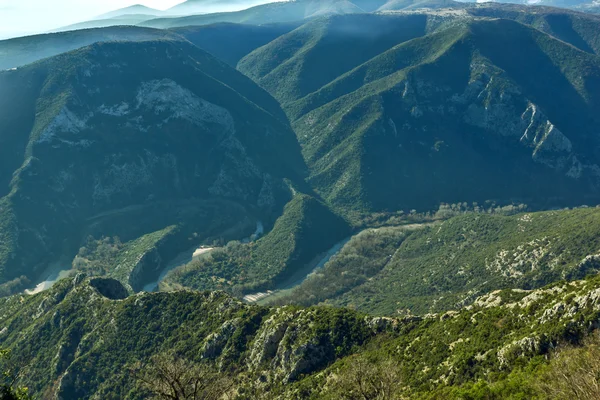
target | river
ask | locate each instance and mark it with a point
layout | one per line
(187, 256)
(57, 271)
(300, 275)
(303, 273)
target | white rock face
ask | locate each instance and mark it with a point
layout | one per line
(529, 256)
(156, 103)
(489, 300)
(527, 346)
(161, 97)
(495, 103)
(283, 346)
(118, 110)
(65, 122)
(167, 97)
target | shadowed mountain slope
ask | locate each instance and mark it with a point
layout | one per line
(231, 42)
(444, 117)
(131, 124)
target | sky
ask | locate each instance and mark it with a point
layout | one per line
(23, 17)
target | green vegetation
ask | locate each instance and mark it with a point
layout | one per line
(573, 371)
(286, 67)
(77, 158)
(445, 265)
(306, 228)
(494, 349)
(362, 258)
(125, 157)
(97, 257)
(448, 116)
(133, 255)
(170, 377)
(497, 347)
(8, 233)
(89, 342)
(580, 30)
(136, 254)
(367, 379)
(8, 390)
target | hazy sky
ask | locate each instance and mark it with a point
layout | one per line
(19, 17)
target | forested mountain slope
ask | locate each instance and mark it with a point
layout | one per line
(231, 42)
(447, 116)
(85, 339)
(114, 128)
(447, 264)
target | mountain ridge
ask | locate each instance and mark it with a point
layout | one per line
(333, 134)
(134, 9)
(504, 341)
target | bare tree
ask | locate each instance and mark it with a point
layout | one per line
(574, 373)
(366, 380)
(169, 377)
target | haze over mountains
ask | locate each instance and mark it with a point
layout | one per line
(29, 17)
(139, 14)
(131, 10)
(281, 197)
(186, 13)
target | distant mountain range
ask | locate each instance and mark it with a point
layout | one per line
(210, 6)
(588, 6)
(307, 9)
(131, 10)
(202, 12)
(137, 14)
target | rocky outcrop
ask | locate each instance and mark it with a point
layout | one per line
(67, 350)
(526, 347)
(149, 265)
(65, 383)
(92, 328)
(494, 103)
(288, 346)
(109, 288)
(382, 324)
(266, 344)
(589, 264)
(215, 343)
